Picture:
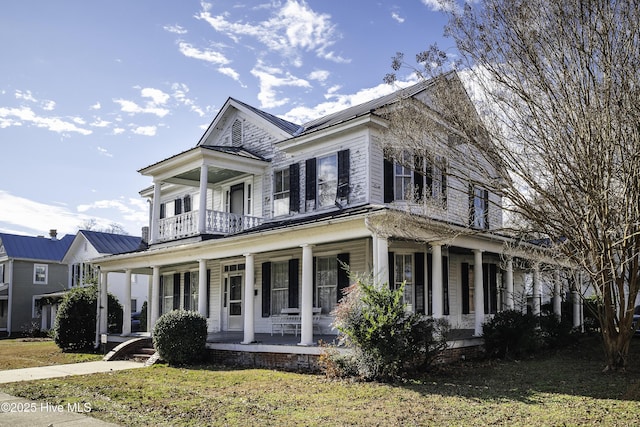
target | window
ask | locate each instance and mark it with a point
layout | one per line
(416, 178)
(1, 273)
(468, 288)
(326, 283)
(40, 272)
(177, 206)
(279, 286)
(186, 203)
(403, 273)
(281, 192)
(190, 291)
(327, 169)
(166, 295)
(134, 305)
(478, 207)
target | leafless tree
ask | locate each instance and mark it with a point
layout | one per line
(557, 85)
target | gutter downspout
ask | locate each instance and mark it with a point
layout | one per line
(10, 298)
(97, 342)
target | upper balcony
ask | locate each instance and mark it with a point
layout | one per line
(216, 222)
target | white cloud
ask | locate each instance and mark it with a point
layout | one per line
(396, 17)
(175, 29)
(291, 30)
(319, 75)
(48, 105)
(95, 106)
(440, 5)
(119, 131)
(134, 210)
(27, 96)
(157, 96)
(25, 115)
(230, 72)
(207, 55)
(270, 80)
(133, 108)
(340, 102)
(104, 152)
(180, 91)
(145, 130)
(99, 123)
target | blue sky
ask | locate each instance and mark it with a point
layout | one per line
(92, 91)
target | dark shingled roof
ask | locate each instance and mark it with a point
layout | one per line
(112, 244)
(36, 248)
(290, 128)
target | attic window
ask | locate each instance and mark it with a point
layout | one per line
(236, 133)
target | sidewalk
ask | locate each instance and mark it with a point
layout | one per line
(15, 411)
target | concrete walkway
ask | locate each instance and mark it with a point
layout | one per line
(15, 411)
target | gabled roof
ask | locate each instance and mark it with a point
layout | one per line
(290, 128)
(35, 248)
(238, 151)
(112, 244)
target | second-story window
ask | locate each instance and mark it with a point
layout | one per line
(327, 169)
(478, 207)
(416, 178)
(40, 274)
(404, 188)
(281, 192)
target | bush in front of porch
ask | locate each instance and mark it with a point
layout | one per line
(180, 337)
(387, 341)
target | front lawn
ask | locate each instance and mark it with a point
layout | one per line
(32, 352)
(567, 388)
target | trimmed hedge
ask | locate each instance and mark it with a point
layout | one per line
(75, 324)
(180, 336)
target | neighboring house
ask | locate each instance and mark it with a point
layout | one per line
(86, 245)
(29, 266)
(262, 213)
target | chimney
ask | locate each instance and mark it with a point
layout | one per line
(53, 233)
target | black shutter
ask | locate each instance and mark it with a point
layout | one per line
(294, 187)
(419, 281)
(208, 293)
(176, 291)
(161, 290)
(315, 275)
(163, 210)
(444, 184)
(310, 179)
(388, 181)
(266, 289)
(485, 197)
(485, 287)
(464, 267)
(294, 283)
(419, 178)
(428, 178)
(472, 209)
(430, 284)
(493, 288)
(177, 206)
(445, 285)
(187, 292)
(343, 175)
(343, 274)
(187, 203)
(391, 269)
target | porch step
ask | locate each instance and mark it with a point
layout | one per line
(142, 354)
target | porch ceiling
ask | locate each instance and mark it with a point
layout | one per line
(214, 175)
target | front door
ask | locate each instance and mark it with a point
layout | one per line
(236, 202)
(234, 285)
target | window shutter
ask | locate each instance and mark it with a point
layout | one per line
(177, 206)
(187, 203)
(472, 208)
(343, 274)
(428, 178)
(293, 283)
(485, 196)
(161, 295)
(391, 269)
(388, 181)
(163, 210)
(310, 179)
(430, 284)
(419, 179)
(176, 291)
(208, 293)
(465, 287)
(294, 187)
(419, 281)
(490, 286)
(343, 175)
(186, 298)
(445, 285)
(266, 289)
(444, 183)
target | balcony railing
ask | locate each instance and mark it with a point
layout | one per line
(186, 224)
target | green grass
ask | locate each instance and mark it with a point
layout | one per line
(32, 352)
(567, 388)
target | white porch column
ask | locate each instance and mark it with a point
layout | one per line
(103, 302)
(54, 313)
(306, 312)
(382, 269)
(126, 312)
(155, 212)
(576, 301)
(508, 279)
(436, 280)
(478, 292)
(202, 209)
(557, 295)
(536, 290)
(202, 287)
(155, 298)
(249, 298)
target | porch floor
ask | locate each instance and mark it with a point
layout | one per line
(229, 337)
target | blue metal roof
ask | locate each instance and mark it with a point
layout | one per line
(112, 244)
(36, 248)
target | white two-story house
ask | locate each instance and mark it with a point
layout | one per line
(262, 214)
